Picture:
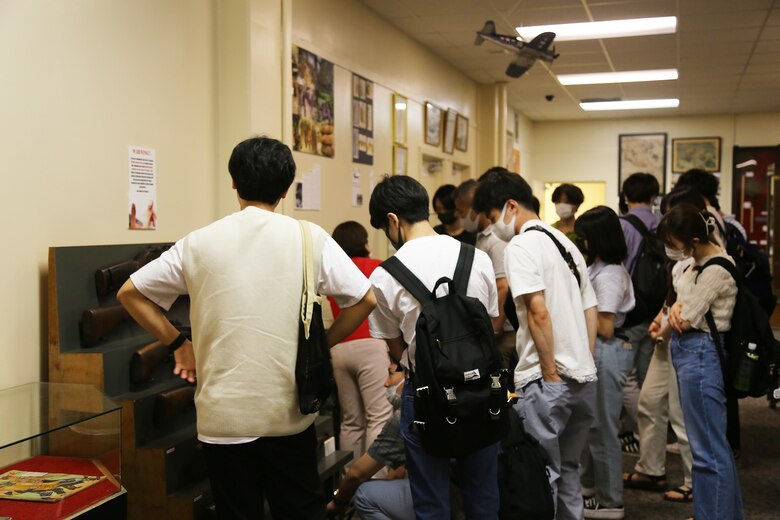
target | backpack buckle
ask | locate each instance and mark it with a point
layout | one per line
(423, 390)
(451, 398)
(419, 424)
(496, 381)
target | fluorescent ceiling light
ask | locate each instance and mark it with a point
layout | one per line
(609, 29)
(631, 76)
(631, 104)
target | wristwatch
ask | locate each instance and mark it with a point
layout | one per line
(180, 339)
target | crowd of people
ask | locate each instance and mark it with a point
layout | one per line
(598, 366)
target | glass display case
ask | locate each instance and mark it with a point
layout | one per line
(60, 453)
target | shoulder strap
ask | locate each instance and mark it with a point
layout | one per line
(463, 269)
(638, 224)
(563, 251)
(405, 277)
(309, 296)
(717, 225)
(725, 264)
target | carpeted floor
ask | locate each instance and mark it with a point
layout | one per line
(759, 471)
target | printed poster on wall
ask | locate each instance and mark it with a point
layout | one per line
(362, 120)
(143, 188)
(313, 115)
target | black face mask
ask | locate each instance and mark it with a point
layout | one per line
(447, 218)
(396, 245)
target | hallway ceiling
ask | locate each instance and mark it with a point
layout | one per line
(727, 52)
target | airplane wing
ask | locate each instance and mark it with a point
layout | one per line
(519, 66)
(542, 42)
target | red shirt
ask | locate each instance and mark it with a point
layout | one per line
(366, 266)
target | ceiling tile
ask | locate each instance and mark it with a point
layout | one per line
(698, 7)
(638, 9)
(726, 21)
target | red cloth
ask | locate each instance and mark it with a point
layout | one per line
(366, 266)
(20, 509)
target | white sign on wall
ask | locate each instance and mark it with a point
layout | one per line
(143, 188)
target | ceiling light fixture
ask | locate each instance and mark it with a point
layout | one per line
(630, 76)
(630, 104)
(609, 29)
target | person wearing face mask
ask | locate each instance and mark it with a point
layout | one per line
(451, 224)
(360, 361)
(567, 199)
(488, 242)
(555, 377)
(688, 237)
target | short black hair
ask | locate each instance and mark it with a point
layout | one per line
(683, 195)
(446, 195)
(600, 227)
(465, 189)
(262, 168)
(537, 205)
(493, 169)
(685, 222)
(705, 183)
(401, 195)
(497, 187)
(352, 237)
(641, 188)
(573, 194)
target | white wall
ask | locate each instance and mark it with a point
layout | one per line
(83, 80)
(588, 150)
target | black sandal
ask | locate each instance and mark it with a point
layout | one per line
(629, 443)
(645, 482)
(686, 495)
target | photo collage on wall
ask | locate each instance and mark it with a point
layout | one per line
(313, 114)
(362, 120)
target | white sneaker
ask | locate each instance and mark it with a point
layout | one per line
(595, 510)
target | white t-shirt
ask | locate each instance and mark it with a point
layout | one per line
(428, 258)
(614, 290)
(533, 264)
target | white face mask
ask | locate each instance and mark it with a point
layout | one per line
(675, 254)
(564, 210)
(504, 231)
(468, 224)
(392, 395)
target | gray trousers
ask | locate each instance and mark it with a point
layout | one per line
(643, 348)
(560, 416)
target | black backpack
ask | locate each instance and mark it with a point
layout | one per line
(749, 324)
(752, 264)
(460, 398)
(523, 480)
(649, 277)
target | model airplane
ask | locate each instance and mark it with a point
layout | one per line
(527, 53)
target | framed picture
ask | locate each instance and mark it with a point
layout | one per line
(399, 119)
(449, 131)
(696, 152)
(432, 124)
(462, 133)
(642, 153)
(399, 159)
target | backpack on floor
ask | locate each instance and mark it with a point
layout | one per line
(523, 480)
(649, 277)
(752, 263)
(750, 335)
(460, 398)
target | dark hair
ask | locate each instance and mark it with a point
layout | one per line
(622, 204)
(600, 226)
(537, 205)
(497, 187)
(641, 188)
(573, 194)
(683, 195)
(704, 182)
(685, 222)
(262, 168)
(352, 237)
(446, 195)
(494, 169)
(465, 189)
(401, 195)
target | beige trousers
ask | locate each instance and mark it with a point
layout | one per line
(360, 370)
(659, 404)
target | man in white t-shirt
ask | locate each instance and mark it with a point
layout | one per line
(244, 276)
(399, 206)
(557, 314)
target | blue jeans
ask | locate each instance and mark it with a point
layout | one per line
(429, 477)
(384, 500)
(703, 399)
(603, 470)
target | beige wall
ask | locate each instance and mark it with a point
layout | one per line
(83, 80)
(588, 150)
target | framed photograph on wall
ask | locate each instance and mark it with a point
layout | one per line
(432, 124)
(400, 104)
(642, 153)
(696, 152)
(462, 133)
(399, 159)
(449, 130)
